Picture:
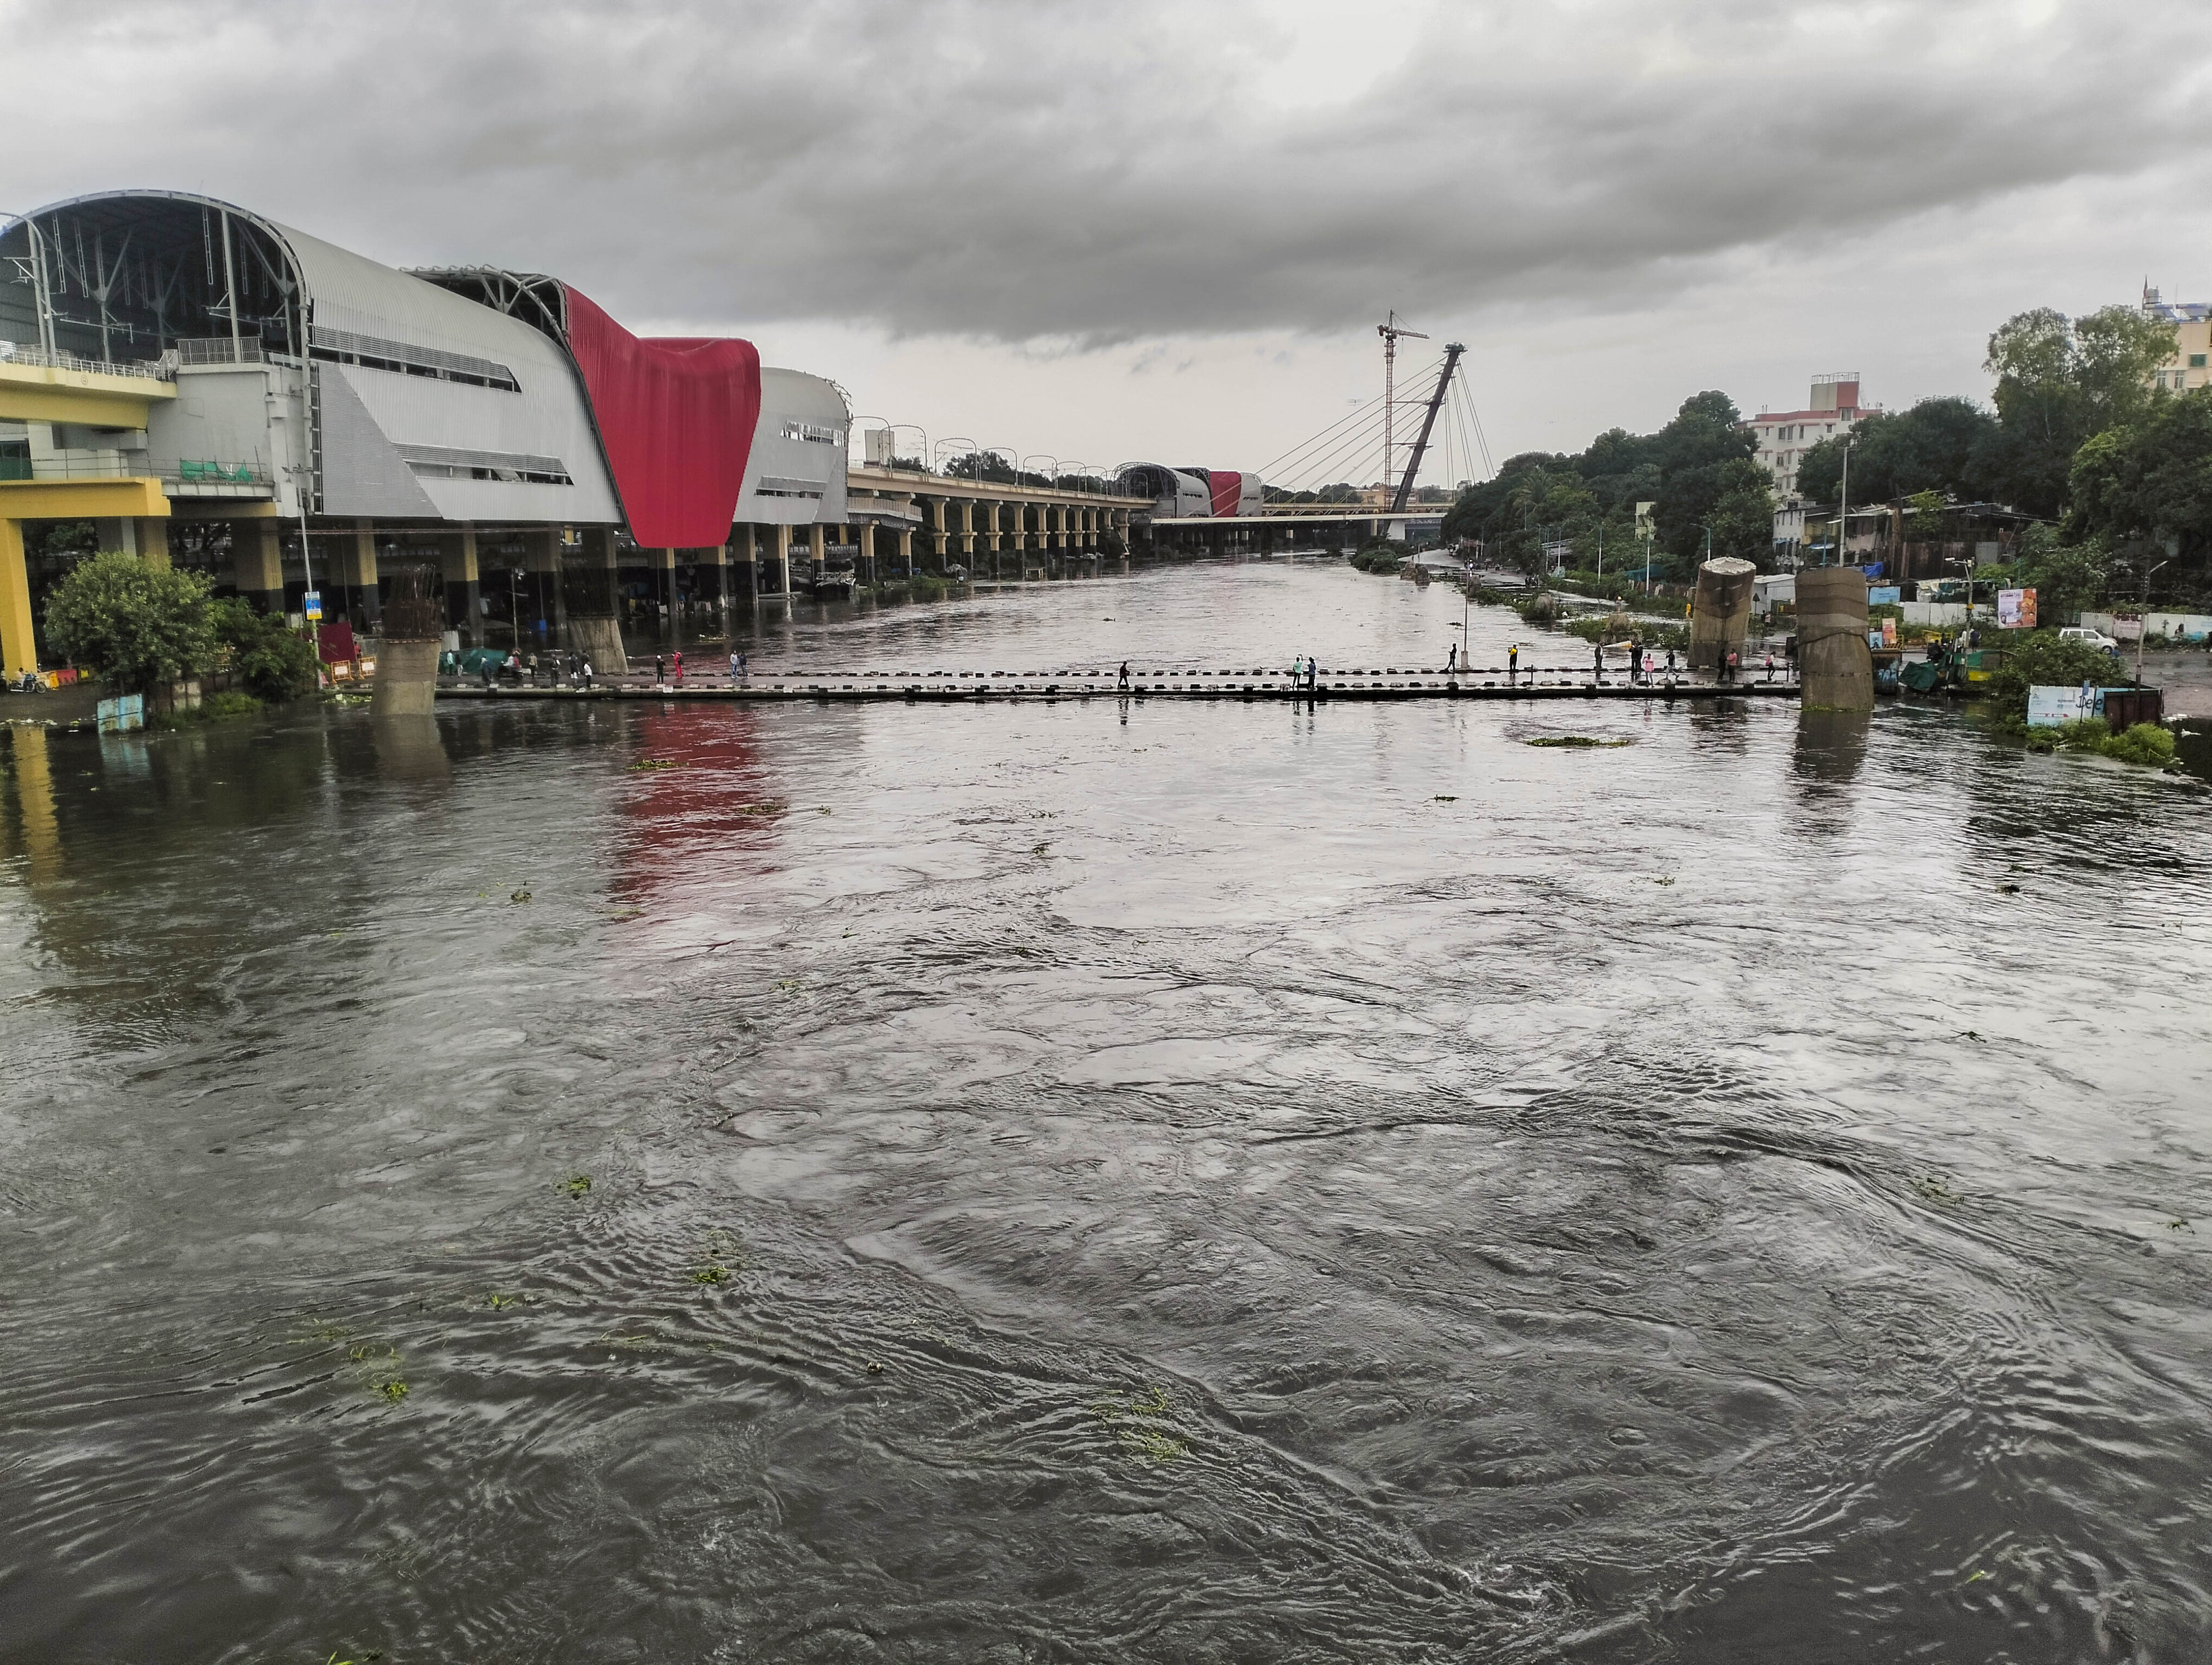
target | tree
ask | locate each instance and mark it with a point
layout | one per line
(274, 661)
(2068, 578)
(2060, 382)
(138, 628)
(1946, 445)
(1742, 516)
(2151, 479)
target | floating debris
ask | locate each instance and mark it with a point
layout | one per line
(1445, 797)
(653, 763)
(1578, 742)
(576, 1184)
(711, 1275)
(519, 896)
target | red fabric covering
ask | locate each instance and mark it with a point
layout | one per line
(1228, 490)
(335, 638)
(676, 417)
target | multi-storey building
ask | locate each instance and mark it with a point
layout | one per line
(1784, 437)
(2191, 322)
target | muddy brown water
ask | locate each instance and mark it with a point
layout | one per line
(1088, 1182)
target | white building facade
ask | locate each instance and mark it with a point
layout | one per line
(1784, 437)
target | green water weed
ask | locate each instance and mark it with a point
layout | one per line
(575, 1184)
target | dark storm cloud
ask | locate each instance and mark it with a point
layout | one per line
(1096, 173)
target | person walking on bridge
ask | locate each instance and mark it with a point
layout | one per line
(1512, 661)
(1597, 661)
(1124, 683)
(1451, 660)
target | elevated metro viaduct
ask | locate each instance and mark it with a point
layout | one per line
(220, 391)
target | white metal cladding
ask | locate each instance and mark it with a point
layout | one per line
(1177, 495)
(796, 474)
(356, 297)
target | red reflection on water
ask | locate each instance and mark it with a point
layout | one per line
(700, 808)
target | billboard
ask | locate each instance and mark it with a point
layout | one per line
(1886, 595)
(2051, 707)
(2016, 610)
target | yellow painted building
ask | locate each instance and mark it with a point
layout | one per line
(2191, 322)
(72, 447)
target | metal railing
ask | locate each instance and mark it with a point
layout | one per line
(109, 467)
(220, 349)
(15, 351)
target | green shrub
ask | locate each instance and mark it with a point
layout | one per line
(274, 662)
(2037, 658)
(1383, 556)
(2146, 743)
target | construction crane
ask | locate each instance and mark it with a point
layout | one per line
(1391, 332)
(1452, 351)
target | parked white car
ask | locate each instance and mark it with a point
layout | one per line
(2094, 638)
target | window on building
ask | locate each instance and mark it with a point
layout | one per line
(2196, 361)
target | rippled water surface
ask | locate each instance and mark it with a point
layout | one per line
(1081, 1181)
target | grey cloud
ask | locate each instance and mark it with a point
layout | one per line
(1018, 171)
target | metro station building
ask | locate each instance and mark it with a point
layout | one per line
(219, 391)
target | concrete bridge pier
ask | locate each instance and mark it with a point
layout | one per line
(1720, 618)
(407, 661)
(1835, 665)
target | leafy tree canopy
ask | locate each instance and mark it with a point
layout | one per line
(274, 661)
(2059, 382)
(1946, 445)
(135, 628)
(2151, 478)
(1688, 467)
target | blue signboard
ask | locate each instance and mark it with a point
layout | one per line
(1886, 596)
(313, 605)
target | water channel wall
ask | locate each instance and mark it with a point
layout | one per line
(1720, 615)
(1835, 666)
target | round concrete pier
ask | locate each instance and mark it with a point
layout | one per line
(1835, 667)
(1720, 615)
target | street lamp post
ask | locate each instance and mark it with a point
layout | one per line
(1844, 502)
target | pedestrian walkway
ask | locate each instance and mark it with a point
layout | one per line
(787, 684)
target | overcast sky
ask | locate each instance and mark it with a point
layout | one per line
(1168, 230)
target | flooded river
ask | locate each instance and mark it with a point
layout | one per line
(1100, 1182)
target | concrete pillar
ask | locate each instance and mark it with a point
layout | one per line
(745, 557)
(18, 646)
(257, 566)
(716, 580)
(588, 577)
(865, 562)
(663, 563)
(967, 533)
(541, 557)
(1720, 616)
(457, 558)
(783, 536)
(357, 571)
(906, 550)
(111, 533)
(1835, 666)
(817, 551)
(154, 543)
(997, 532)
